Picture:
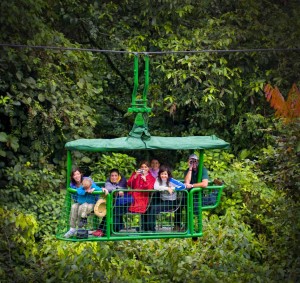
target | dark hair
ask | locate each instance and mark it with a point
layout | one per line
(72, 174)
(145, 162)
(164, 168)
(114, 170)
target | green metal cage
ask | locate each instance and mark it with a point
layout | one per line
(195, 201)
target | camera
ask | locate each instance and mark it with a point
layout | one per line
(141, 171)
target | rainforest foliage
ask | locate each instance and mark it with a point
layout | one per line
(49, 96)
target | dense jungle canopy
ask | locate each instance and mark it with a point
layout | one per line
(51, 96)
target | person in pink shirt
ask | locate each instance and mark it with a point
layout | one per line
(154, 167)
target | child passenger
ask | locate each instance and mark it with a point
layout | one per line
(168, 197)
(83, 207)
(76, 182)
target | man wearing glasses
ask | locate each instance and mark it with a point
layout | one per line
(190, 181)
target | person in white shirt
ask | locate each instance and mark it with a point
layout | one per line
(168, 197)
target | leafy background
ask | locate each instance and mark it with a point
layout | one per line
(51, 96)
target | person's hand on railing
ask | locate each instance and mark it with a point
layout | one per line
(89, 190)
(189, 186)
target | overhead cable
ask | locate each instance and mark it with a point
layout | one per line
(150, 52)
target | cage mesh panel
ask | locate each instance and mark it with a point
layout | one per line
(64, 221)
(162, 217)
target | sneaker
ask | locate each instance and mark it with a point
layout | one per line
(98, 233)
(82, 222)
(70, 233)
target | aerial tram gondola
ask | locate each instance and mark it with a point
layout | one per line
(139, 138)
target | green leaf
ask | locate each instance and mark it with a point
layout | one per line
(3, 137)
(80, 83)
(41, 97)
(2, 153)
(86, 159)
(13, 142)
(19, 75)
(298, 147)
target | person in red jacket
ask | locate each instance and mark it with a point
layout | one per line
(141, 179)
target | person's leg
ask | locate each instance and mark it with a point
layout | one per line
(102, 225)
(81, 212)
(123, 211)
(144, 219)
(84, 210)
(118, 213)
(209, 198)
(73, 215)
(149, 224)
(166, 206)
(154, 210)
(117, 219)
(73, 220)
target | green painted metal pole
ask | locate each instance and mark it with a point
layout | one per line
(146, 86)
(200, 166)
(199, 195)
(191, 196)
(68, 194)
(190, 212)
(136, 79)
(109, 220)
(69, 167)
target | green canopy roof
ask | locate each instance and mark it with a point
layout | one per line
(152, 143)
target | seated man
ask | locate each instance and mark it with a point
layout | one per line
(191, 181)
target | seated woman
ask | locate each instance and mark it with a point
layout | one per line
(76, 181)
(167, 201)
(141, 180)
(114, 182)
(83, 207)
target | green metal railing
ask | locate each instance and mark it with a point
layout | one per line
(192, 224)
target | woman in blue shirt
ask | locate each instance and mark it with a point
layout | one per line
(84, 200)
